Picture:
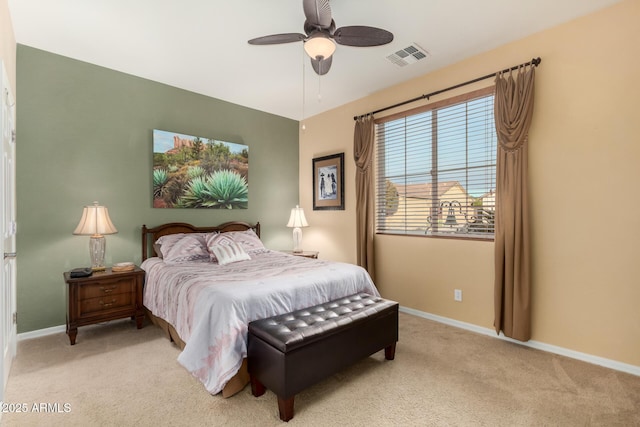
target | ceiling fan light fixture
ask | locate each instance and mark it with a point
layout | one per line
(321, 35)
(319, 46)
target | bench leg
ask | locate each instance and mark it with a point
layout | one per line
(285, 406)
(390, 352)
(257, 388)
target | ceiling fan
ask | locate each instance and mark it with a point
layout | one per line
(322, 35)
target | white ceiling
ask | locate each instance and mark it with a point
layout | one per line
(201, 45)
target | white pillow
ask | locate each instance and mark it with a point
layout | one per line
(231, 252)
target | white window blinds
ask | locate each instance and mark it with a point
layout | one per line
(436, 169)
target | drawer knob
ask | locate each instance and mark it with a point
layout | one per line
(107, 304)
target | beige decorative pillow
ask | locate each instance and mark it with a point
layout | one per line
(231, 252)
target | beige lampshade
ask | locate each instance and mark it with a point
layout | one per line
(297, 218)
(95, 221)
(319, 46)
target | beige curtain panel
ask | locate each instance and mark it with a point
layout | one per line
(513, 111)
(363, 147)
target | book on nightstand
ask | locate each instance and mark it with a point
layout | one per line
(123, 266)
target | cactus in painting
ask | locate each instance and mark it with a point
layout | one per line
(160, 178)
(223, 189)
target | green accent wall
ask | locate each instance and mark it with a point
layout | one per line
(84, 133)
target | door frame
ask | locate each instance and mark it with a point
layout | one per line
(8, 319)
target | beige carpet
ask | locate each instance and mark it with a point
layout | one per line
(117, 375)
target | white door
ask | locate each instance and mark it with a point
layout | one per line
(8, 226)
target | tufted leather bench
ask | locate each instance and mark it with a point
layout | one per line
(290, 352)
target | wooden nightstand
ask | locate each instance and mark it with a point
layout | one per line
(103, 296)
(306, 254)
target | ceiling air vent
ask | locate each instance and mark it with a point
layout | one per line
(409, 55)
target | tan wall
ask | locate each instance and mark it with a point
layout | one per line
(8, 44)
(585, 150)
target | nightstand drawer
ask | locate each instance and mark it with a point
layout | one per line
(106, 288)
(109, 302)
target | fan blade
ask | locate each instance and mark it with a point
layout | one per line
(318, 13)
(278, 39)
(362, 36)
(321, 67)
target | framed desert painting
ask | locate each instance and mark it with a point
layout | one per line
(328, 182)
(197, 172)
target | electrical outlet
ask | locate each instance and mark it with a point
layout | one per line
(457, 294)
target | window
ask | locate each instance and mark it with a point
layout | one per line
(436, 169)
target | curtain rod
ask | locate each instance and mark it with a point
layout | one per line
(534, 62)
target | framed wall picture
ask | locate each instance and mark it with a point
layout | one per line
(198, 172)
(328, 182)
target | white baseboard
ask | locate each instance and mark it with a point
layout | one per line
(589, 358)
(42, 332)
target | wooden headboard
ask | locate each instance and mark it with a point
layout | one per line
(150, 235)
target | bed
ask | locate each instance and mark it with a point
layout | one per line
(204, 285)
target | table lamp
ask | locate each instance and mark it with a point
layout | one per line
(297, 220)
(95, 222)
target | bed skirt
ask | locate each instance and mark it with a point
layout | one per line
(235, 384)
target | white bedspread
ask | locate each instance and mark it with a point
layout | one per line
(211, 305)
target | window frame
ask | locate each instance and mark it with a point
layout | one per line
(448, 102)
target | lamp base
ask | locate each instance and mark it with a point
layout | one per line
(297, 240)
(96, 252)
